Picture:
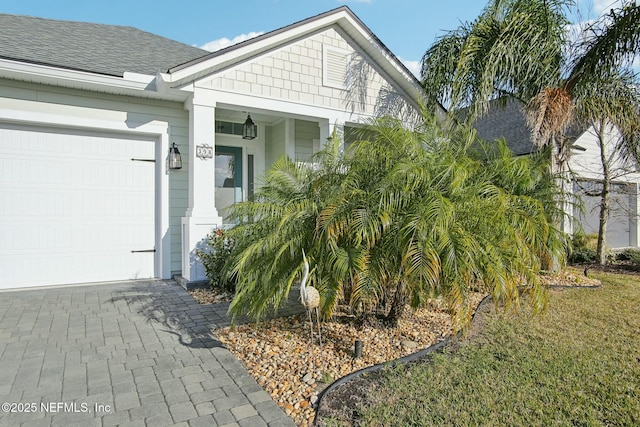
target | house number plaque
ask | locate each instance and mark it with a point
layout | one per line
(204, 151)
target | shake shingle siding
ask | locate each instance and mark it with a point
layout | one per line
(97, 48)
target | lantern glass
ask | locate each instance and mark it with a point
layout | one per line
(175, 159)
(249, 129)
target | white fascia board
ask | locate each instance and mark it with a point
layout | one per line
(138, 78)
(283, 108)
(132, 84)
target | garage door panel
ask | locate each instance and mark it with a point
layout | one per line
(24, 239)
(54, 269)
(73, 206)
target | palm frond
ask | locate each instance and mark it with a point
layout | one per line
(513, 48)
(609, 43)
(424, 212)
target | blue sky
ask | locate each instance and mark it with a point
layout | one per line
(407, 27)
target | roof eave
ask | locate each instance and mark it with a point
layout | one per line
(131, 84)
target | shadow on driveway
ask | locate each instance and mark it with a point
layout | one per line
(190, 322)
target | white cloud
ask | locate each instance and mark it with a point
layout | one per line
(603, 6)
(218, 44)
(413, 66)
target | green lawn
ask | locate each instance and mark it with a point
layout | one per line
(577, 365)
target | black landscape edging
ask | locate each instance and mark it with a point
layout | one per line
(574, 287)
(403, 360)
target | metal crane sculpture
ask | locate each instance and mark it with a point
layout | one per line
(310, 298)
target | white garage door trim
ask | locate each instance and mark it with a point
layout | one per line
(156, 131)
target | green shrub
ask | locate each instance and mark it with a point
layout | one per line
(217, 252)
(583, 248)
(632, 255)
(582, 255)
(588, 241)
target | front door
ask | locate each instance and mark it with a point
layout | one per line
(228, 179)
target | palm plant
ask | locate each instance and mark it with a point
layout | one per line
(448, 225)
(269, 233)
(273, 229)
(515, 49)
(403, 216)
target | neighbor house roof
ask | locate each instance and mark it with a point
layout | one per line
(508, 122)
(96, 48)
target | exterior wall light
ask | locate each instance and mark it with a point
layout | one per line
(175, 160)
(249, 129)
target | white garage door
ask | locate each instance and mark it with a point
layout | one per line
(74, 207)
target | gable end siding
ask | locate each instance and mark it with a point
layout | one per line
(295, 73)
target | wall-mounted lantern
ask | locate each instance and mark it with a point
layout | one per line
(175, 160)
(249, 129)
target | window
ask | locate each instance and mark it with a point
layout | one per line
(228, 128)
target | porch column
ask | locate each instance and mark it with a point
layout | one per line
(201, 216)
(326, 131)
(290, 138)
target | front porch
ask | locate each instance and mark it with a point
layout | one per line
(233, 167)
(298, 83)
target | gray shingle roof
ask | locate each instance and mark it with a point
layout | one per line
(508, 123)
(98, 48)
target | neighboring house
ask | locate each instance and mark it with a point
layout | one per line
(89, 112)
(586, 171)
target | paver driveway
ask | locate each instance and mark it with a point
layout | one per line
(131, 354)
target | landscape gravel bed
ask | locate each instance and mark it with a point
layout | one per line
(293, 370)
(281, 356)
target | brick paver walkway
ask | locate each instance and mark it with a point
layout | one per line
(129, 354)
